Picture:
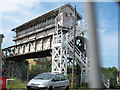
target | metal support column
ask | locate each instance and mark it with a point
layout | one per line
(93, 49)
(1, 40)
(119, 35)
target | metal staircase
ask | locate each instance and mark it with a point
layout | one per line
(62, 42)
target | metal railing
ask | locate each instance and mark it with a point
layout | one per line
(38, 26)
(78, 53)
(106, 81)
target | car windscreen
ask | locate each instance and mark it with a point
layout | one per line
(44, 76)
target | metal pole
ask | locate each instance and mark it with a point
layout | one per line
(93, 49)
(73, 47)
(28, 73)
(1, 40)
(118, 38)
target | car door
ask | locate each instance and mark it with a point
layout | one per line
(56, 81)
(63, 81)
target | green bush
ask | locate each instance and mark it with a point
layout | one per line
(109, 73)
(17, 83)
(36, 69)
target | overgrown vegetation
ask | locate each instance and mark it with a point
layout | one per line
(110, 74)
(36, 69)
(17, 83)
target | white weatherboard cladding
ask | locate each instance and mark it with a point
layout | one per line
(27, 30)
(18, 42)
(31, 28)
(51, 31)
(24, 40)
(22, 32)
(40, 35)
(67, 10)
(46, 34)
(66, 20)
(32, 37)
(61, 19)
(36, 26)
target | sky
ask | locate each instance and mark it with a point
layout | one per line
(14, 13)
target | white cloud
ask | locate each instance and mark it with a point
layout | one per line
(14, 13)
(14, 5)
(101, 30)
(7, 41)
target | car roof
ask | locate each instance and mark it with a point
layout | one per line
(51, 73)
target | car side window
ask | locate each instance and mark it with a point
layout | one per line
(56, 78)
(66, 78)
(62, 77)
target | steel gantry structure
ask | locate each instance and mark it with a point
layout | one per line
(63, 42)
(52, 35)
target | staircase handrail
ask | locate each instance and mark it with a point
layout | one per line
(105, 81)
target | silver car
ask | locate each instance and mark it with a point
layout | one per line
(49, 81)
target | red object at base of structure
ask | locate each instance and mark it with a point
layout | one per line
(3, 82)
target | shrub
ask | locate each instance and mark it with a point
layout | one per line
(17, 83)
